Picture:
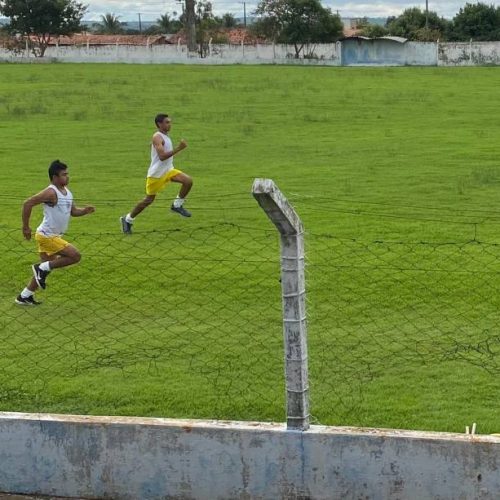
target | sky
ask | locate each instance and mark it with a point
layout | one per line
(150, 10)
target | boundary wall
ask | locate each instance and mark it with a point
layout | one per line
(351, 52)
(155, 458)
(325, 54)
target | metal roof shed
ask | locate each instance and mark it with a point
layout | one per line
(364, 51)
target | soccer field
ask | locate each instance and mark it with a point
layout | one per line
(395, 173)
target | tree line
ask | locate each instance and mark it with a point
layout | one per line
(110, 24)
(474, 21)
(300, 23)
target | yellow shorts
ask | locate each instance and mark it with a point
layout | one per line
(155, 184)
(50, 244)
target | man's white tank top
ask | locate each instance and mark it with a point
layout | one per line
(158, 167)
(55, 219)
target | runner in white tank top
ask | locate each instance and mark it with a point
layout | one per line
(161, 171)
(160, 167)
(58, 207)
(56, 218)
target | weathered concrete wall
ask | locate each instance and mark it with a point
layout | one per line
(354, 52)
(421, 54)
(136, 458)
(325, 54)
(469, 54)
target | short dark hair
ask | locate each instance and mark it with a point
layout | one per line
(56, 167)
(159, 118)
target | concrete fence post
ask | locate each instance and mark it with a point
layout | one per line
(289, 225)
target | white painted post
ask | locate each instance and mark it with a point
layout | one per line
(291, 231)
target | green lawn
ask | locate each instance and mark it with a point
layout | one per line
(395, 174)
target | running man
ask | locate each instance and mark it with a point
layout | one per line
(161, 172)
(55, 252)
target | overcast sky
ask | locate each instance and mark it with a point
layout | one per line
(150, 10)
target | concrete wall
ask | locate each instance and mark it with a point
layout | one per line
(469, 54)
(139, 458)
(348, 52)
(325, 54)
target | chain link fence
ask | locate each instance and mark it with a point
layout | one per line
(187, 322)
(175, 323)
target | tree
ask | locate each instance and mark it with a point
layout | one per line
(206, 25)
(412, 22)
(41, 20)
(477, 21)
(298, 22)
(228, 20)
(371, 30)
(164, 23)
(110, 25)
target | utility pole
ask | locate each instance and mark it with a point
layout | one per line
(244, 14)
(140, 25)
(426, 14)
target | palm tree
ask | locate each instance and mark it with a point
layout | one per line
(110, 24)
(165, 23)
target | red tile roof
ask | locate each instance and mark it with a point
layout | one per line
(234, 36)
(93, 39)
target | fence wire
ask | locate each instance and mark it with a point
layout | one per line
(173, 323)
(395, 309)
(187, 322)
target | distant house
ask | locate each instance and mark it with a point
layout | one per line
(90, 39)
(234, 36)
(351, 26)
(242, 36)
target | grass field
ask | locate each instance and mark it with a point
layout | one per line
(393, 170)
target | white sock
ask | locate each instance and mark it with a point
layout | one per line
(178, 202)
(26, 293)
(45, 266)
(129, 219)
